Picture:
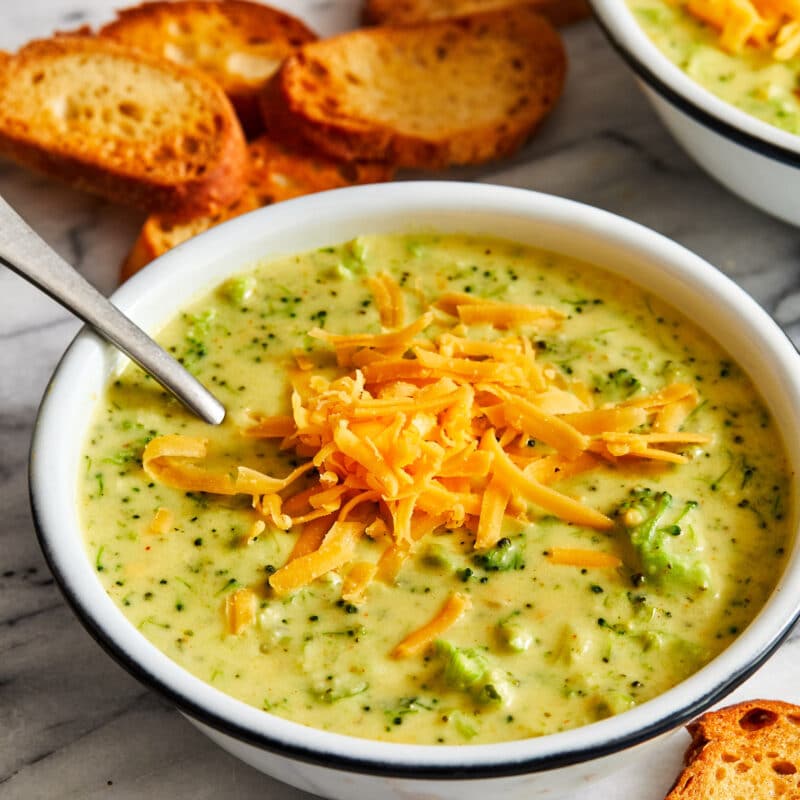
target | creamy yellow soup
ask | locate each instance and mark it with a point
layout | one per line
(751, 80)
(545, 645)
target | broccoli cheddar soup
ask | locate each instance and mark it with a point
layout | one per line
(467, 491)
(747, 52)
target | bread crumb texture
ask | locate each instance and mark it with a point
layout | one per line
(104, 100)
(276, 172)
(91, 111)
(237, 43)
(462, 90)
(747, 751)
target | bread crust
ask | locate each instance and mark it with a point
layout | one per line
(312, 95)
(174, 30)
(750, 749)
(403, 12)
(110, 165)
(275, 173)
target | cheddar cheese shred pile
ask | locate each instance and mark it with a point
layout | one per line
(428, 428)
(767, 24)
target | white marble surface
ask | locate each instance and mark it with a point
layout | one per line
(72, 723)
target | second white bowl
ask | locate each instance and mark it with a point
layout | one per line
(755, 160)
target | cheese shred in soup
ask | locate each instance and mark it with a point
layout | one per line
(466, 492)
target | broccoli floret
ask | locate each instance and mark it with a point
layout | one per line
(612, 703)
(436, 557)
(644, 518)
(196, 345)
(463, 723)
(617, 385)
(505, 555)
(239, 289)
(468, 670)
(404, 707)
(353, 258)
(463, 666)
(338, 690)
(514, 636)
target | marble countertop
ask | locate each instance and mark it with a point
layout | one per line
(75, 725)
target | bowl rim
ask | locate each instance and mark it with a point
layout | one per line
(643, 56)
(439, 762)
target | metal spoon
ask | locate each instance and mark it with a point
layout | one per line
(28, 255)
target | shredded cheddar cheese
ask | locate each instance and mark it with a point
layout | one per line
(336, 550)
(767, 24)
(161, 522)
(577, 557)
(256, 529)
(447, 616)
(240, 610)
(357, 580)
(388, 299)
(427, 428)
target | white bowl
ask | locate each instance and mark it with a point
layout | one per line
(339, 766)
(756, 160)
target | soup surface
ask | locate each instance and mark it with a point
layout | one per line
(542, 580)
(751, 79)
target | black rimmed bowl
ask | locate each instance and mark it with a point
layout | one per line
(755, 160)
(338, 766)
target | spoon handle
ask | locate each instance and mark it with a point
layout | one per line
(24, 252)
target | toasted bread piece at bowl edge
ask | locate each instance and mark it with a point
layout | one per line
(239, 44)
(402, 12)
(276, 173)
(750, 750)
(457, 91)
(121, 123)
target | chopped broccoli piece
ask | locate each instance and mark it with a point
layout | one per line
(353, 256)
(239, 289)
(200, 324)
(332, 692)
(359, 249)
(436, 557)
(642, 516)
(675, 648)
(468, 670)
(572, 646)
(612, 703)
(464, 724)
(464, 666)
(414, 248)
(196, 346)
(618, 384)
(496, 692)
(513, 635)
(405, 706)
(505, 555)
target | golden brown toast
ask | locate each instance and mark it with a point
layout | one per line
(750, 750)
(457, 91)
(121, 123)
(276, 173)
(402, 12)
(239, 44)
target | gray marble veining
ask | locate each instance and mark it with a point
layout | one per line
(75, 725)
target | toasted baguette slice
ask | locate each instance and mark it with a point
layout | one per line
(748, 750)
(238, 43)
(276, 173)
(457, 91)
(403, 12)
(121, 123)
